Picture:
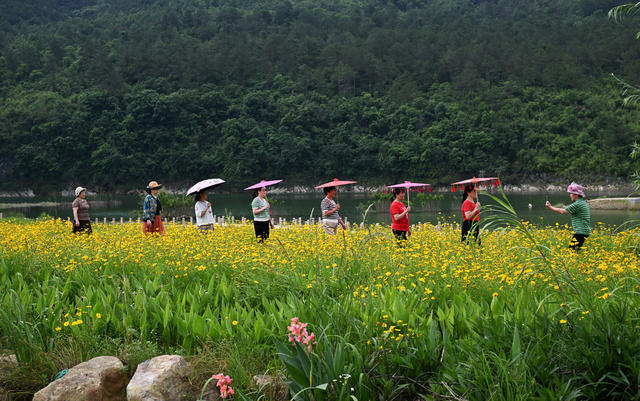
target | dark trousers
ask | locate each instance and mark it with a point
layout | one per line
(577, 241)
(468, 227)
(400, 235)
(84, 227)
(262, 230)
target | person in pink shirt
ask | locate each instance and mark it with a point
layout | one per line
(470, 214)
(400, 216)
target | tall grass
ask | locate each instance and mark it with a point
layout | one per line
(520, 317)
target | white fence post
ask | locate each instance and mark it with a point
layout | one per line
(190, 220)
(121, 220)
(104, 220)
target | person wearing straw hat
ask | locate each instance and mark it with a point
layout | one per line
(580, 215)
(399, 216)
(330, 216)
(80, 207)
(152, 222)
(470, 214)
(261, 214)
(204, 212)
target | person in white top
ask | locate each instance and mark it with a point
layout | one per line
(204, 213)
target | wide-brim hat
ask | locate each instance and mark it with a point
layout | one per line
(79, 190)
(154, 185)
(576, 189)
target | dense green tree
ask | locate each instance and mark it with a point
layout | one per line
(110, 93)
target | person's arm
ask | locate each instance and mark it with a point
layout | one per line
(332, 211)
(470, 214)
(556, 209)
(399, 216)
(344, 226)
(147, 210)
(75, 216)
(205, 210)
(260, 210)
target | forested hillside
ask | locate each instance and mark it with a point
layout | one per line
(112, 94)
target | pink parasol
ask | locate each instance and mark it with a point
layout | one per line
(205, 184)
(336, 182)
(412, 186)
(487, 182)
(409, 184)
(262, 184)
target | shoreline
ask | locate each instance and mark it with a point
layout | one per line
(299, 189)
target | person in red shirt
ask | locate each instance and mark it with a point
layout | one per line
(400, 216)
(470, 214)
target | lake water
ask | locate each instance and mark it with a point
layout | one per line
(306, 204)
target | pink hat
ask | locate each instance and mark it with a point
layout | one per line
(576, 189)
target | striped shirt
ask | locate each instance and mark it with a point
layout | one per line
(328, 204)
(580, 216)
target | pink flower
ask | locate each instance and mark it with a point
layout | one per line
(224, 385)
(298, 333)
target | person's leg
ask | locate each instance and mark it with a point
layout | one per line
(256, 228)
(475, 228)
(466, 226)
(85, 227)
(262, 230)
(577, 241)
(400, 235)
(330, 226)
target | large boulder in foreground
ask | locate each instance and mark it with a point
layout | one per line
(99, 379)
(163, 378)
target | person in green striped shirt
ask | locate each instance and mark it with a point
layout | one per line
(580, 215)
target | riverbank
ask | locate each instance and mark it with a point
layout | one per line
(623, 187)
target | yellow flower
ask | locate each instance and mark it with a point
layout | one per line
(563, 321)
(58, 328)
(98, 315)
(495, 294)
(66, 324)
(235, 323)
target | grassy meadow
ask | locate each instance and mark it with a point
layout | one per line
(433, 320)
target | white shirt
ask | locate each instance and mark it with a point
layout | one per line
(208, 216)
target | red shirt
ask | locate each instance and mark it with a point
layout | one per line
(467, 206)
(403, 223)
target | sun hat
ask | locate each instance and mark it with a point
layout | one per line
(154, 185)
(576, 189)
(79, 191)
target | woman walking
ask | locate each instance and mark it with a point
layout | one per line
(80, 207)
(330, 216)
(470, 214)
(204, 212)
(580, 215)
(400, 216)
(261, 214)
(152, 222)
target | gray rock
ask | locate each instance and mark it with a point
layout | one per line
(274, 387)
(100, 379)
(163, 378)
(8, 361)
